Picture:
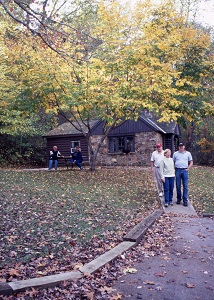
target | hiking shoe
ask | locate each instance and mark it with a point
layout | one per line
(185, 204)
(166, 204)
(178, 202)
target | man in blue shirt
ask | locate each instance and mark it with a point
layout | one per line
(183, 162)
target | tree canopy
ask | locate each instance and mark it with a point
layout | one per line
(105, 61)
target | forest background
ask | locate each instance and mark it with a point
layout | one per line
(80, 60)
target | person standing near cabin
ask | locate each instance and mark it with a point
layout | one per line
(167, 170)
(183, 162)
(77, 158)
(156, 158)
(53, 159)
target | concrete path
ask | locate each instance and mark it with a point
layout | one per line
(185, 272)
(178, 209)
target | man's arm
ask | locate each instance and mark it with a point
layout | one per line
(59, 154)
(190, 165)
(152, 165)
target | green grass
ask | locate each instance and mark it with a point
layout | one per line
(46, 213)
(201, 189)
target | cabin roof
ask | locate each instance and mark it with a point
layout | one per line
(164, 127)
(152, 121)
(68, 129)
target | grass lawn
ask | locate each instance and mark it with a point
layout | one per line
(201, 189)
(52, 219)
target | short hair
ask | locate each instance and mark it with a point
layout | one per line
(165, 151)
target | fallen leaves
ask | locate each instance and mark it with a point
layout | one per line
(160, 274)
(149, 282)
(57, 228)
(69, 245)
(202, 193)
(190, 285)
(116, 297)
(13, 272)
(130, 270)
(63, 225)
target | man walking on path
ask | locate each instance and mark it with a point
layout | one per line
(183, 162)
(156, 158)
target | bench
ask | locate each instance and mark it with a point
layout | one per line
(66, 162)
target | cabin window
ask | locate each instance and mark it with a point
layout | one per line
(74, 144)
(123, 144)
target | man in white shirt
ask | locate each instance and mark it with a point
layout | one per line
(156, 158)
(183, 162)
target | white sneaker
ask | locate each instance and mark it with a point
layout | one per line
(160, 194)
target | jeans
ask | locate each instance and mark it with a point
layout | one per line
(168, 189)
(53, 163)
(182, 178)
(77, 162)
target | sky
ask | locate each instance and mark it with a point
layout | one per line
(205, 11)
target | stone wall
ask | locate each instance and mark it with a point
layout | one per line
(144, 146)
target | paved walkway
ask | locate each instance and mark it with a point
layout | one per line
(185, 272)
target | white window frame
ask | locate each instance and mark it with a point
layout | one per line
(74, 144)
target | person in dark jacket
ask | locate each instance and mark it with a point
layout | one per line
(76, 157)
(53, 159)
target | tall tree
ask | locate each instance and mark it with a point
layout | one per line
(137, 61)
(53, 21)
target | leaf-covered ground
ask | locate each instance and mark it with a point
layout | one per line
(55, 222)
(201, 189)
(52, 221)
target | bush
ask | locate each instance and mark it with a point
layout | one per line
(19, 150)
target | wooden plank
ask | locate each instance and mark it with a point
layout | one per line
(136, 234)
(99, 262)
(45, 281)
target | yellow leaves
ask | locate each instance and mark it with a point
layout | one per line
(136, 65)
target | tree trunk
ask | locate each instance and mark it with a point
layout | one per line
(94, 151)
(190, 132)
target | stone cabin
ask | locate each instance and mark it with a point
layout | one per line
(130, 143)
